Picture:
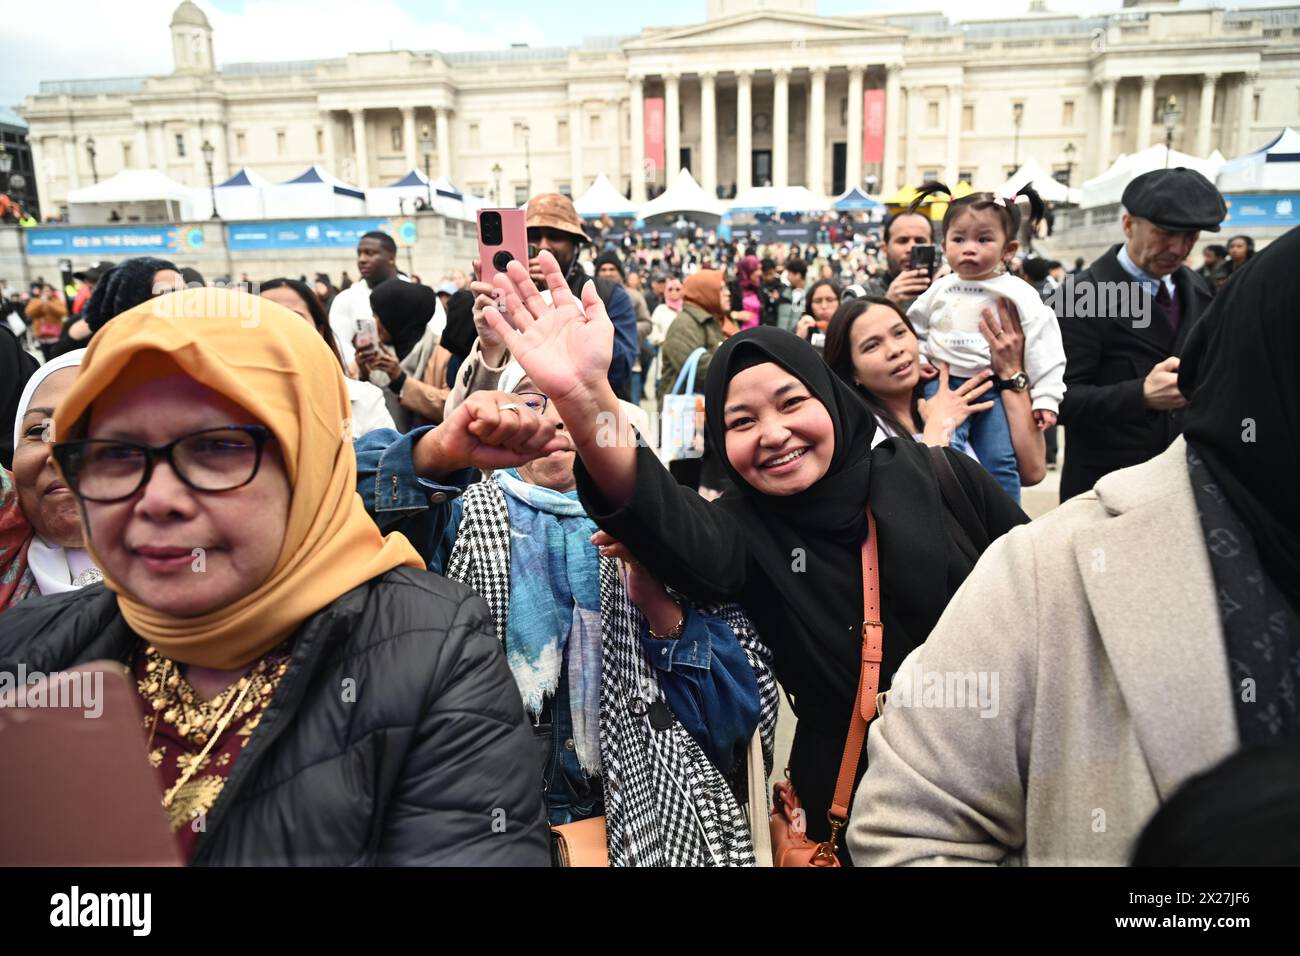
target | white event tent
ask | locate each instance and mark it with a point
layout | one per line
(242, 196)
(414, 187)
(1043, 183)
(602, 199)
(313, 192)
(1109, 186)
(684, 196)
(1274, 167)
(141, 195)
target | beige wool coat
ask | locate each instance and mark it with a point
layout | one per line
(1098, 628)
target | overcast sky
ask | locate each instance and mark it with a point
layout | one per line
(75, 39)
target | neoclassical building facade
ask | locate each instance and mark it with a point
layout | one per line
(761, 92)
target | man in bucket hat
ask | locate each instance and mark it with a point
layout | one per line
(554, 226)
(1124, 320)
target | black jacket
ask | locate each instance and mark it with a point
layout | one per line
(433, 752)
(1108, 426)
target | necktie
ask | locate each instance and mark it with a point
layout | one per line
(1169, 303)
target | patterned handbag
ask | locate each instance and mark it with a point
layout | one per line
(790, 843)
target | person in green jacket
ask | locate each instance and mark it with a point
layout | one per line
(699, 323)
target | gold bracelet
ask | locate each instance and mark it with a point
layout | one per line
(674, 632)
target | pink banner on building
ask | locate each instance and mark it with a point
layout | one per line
(873, 126)
(654, 132)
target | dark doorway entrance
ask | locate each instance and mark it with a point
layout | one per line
(686, 159)
(760, 171)
(839, 161)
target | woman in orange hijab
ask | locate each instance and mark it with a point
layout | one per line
(279, 643)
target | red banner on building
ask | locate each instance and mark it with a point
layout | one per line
(873, 126)
(654, 132)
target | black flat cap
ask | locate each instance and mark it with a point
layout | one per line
(1178, 199)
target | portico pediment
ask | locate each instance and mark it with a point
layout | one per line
(763, 28)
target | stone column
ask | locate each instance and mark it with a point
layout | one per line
(953, 162)
(331, 147)
(221, 155)
(198, 136)
(817, 132)
(893, 132)
(1245, 111)
(442, 130)
(744, 129)
(614, 123)
(781, 128)
(575, 149)
(362, 148)
(1205, 115)
(1146, 111)
(70, 162)
(160, 153)
(637, 92)
(410, 152)
(708, 134)
(1105, 127)
(140, 146)
(853, 158)
(672, 127)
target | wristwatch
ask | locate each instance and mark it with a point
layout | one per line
(1016, 383)
(397, 384)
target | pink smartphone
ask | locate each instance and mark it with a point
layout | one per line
(502, 236)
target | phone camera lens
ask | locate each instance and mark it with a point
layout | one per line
(501, 260)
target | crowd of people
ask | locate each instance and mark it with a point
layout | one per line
(566, 640)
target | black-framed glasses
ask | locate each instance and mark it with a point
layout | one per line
(214, 459)
(535, 400)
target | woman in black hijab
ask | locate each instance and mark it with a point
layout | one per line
(122, 287)
(785, 542)
(402, 312)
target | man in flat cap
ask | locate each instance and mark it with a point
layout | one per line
(1124, 320)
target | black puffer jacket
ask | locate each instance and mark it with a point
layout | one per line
(424, 768)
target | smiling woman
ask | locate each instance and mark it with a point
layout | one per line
(41, 551)
(278, 640)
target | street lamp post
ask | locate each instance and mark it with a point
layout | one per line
(1069, 164)
(1170, 118)
(496, 191)
(1017, 114)
(209, 153)
(426, 149)
(90, 151)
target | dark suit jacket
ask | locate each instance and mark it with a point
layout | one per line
(1108, 354)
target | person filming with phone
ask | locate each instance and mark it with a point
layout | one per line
(553, 226)
(909, 274)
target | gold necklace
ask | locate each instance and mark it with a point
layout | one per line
(174, 700)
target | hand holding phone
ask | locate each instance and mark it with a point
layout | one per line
(923, 257)
(502, 236)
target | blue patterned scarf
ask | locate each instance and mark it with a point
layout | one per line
(554, 605)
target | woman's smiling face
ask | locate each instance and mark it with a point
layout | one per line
(779, 436)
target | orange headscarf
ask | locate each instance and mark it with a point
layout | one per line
(704, 290)
(269, 361)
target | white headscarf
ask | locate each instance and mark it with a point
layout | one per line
(56, 569)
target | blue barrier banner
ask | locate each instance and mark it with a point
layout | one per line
(315, 233)
(1262, 209)
(119, 241)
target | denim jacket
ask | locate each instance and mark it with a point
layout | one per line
(705, 674)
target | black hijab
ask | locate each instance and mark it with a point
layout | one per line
(1239, 371)
(405, 308)
(459, 335)
(836, 504)
(123, 287)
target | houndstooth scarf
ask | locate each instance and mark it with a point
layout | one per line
(666, 804)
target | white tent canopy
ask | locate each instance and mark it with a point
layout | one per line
(137, 194)
(1275, 167)
(779, 199)
(602, 199)
(241, 196)
(1047, 187)
(685, 195)
(412, 188)
(1109, 186)
(313, 192)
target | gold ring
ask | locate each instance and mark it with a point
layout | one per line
(510, 407)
